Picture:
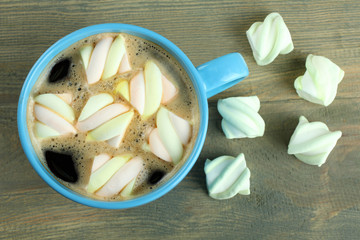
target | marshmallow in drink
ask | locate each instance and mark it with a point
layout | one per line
(106, 59)
(66, 97)
(123, 180)
(227, 176)
(169, 90)
(117, 60)
(320, 82)
(167, 141)
(123, 89)
(109, 176)
(99, 161)
(270, 38)
(147, 90)
(240, 117)
(54, 115)
(104, 120)
(312, 142)
(126, 192)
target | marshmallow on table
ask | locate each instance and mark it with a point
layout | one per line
(54, 115)
(240, 117)
(104, 120)
(106, 59)
(320, 81)
(270, 38)
(312, 142)
(227, 176)
(110, 176)
(147, 90)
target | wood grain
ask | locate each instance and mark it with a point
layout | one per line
(288, 198)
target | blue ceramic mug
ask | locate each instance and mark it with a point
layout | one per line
(208, 79)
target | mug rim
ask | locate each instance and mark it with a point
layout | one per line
(66, 42)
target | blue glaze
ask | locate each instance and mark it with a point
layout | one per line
(200, 86)
(223, 72)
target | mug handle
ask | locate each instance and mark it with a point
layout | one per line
(222, 73)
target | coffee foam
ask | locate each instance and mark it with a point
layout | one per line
(139, 51)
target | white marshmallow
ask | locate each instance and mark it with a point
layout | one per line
(312, 142)
(270, 38)
(227, 176)
(240, 117)
(320, 81)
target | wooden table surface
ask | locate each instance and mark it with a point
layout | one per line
(288, 200)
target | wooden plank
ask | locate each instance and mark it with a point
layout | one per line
(288, 200)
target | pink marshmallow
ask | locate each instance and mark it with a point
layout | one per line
(169, 90)
(53, 120)
(115, 141)
(121, 178)
(137, 92)
(102, 116)
(66, 97)
(157, 147)
(125, 64)
(97, 60)
(99, 160)
(182, 128)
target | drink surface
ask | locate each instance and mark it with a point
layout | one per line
(69, 68)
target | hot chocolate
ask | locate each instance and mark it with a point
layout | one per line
(113, 116)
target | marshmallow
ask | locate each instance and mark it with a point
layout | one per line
(106, 59)
(312, 142)
(54, 116)
(85, 53)
(44, 131)
(113, 130)
(320, 81)
(100, 176)
(105, 120)
(102, 116)
(153, 89)
(94, 104)
(99, 161)
(123, 89)
(126, 192)
(227, 176)
(97, 60)
(147, 90)
(270, 38)
(172, 133)
(137, 92)
(117, 55)
(110, 176)
(169, 90)
(240, 117)
(122, 179)
(56, 104)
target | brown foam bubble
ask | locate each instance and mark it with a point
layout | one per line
(139, 51)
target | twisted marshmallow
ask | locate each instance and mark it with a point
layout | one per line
(147, 90)
(104, 120)
(227, 176)
(240, 117)
(108, 58)
(172, 133)
(54, 115)
(270, 38)
(110, 176)
(312, 142)
(320, 81)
